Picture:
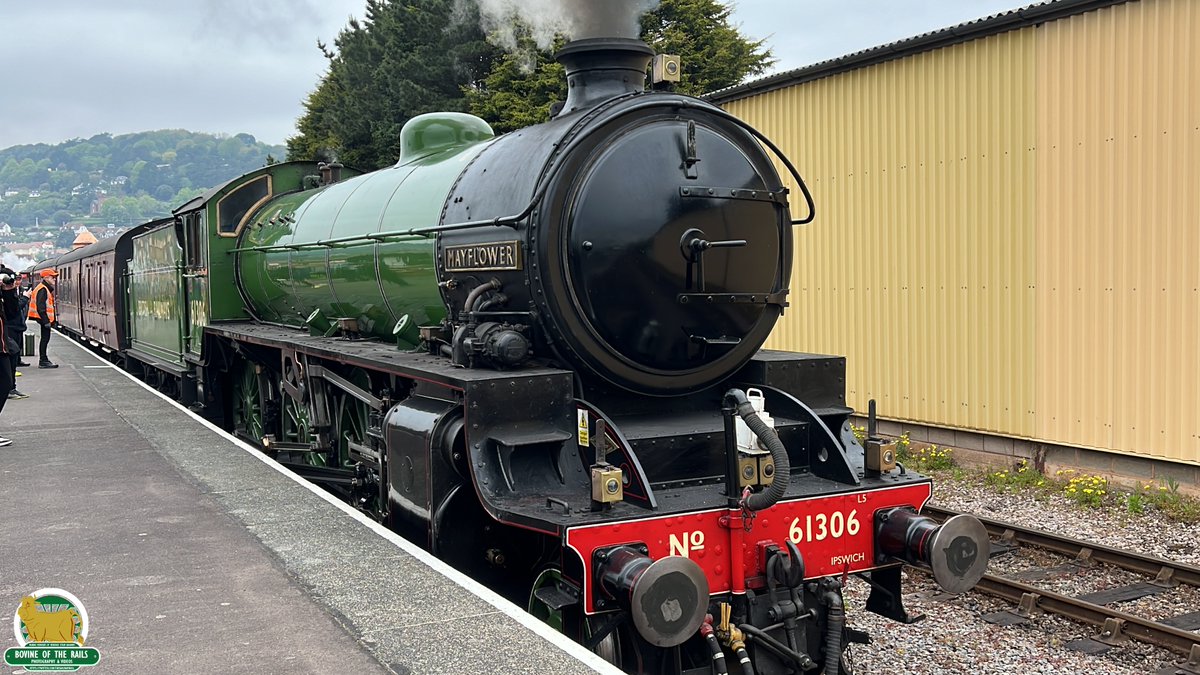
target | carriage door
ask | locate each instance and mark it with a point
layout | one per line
(194, 303)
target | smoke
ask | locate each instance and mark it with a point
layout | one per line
(504, 21)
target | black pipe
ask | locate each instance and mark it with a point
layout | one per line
(835, 623)
(744, 659)
(783, 469)
(498, 299)
(478, 292)
(733, 494)
(802, 660)
(718, 654)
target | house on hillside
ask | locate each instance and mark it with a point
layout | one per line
(35, 250)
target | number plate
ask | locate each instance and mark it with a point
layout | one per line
(834, 533)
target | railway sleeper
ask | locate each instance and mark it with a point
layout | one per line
(1189, 667)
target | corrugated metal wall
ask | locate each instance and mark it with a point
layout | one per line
(1007, 234)
(1118, 229)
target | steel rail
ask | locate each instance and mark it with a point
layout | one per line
(1166, 572)
(1113, 622)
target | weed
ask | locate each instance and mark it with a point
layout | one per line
(1023, 476)
(1086, 490)
(1090, 491)
(1173, 504)
(934, 458)
(924, 459)
(860, 434)
(1135, 503)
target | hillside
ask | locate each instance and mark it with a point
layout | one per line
(122, 180)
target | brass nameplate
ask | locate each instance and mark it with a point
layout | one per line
(494, 255)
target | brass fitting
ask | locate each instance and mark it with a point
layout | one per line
(607, 484)
(731, 636)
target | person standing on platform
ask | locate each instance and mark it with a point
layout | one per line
(14, 323)
(6, 371)
(41, 309)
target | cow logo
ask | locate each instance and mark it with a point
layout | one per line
(51, 627)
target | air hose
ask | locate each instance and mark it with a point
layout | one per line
(718, 654)
(835, 623)
(744, 658)
(765, 434)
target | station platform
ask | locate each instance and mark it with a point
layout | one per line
(193, 553)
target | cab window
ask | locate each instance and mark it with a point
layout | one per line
(233, 207)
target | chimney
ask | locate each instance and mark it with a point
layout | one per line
(602, 68)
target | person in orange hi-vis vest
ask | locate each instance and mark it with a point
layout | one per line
(41, 309)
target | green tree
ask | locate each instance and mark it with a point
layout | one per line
(184, 196)
(317, 138)
(714, 53)
(71, 175)
(520, 87)
(65, 238)
(405, 58)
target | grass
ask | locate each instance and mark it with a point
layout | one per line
(1083, 489)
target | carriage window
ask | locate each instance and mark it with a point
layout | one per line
(233, 207)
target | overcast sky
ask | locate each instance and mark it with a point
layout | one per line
(76, 68)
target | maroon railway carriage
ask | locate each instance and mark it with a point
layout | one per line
(91, 292)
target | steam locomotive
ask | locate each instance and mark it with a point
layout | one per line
(539, 356)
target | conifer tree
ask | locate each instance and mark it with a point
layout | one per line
(521, 86)
(405, 58)
(408, 57)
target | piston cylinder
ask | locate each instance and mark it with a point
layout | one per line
(667, 598)
(956, 551)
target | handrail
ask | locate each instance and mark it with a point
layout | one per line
(544, 182)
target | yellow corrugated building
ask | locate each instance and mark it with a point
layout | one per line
(1008, 223)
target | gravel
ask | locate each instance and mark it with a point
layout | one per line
(954, 638)
(1149, 533)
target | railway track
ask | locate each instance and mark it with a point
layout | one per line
(1176, 633)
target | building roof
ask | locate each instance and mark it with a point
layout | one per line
(1031, 15)
(84, 238)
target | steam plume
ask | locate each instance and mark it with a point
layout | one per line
(545, 19)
